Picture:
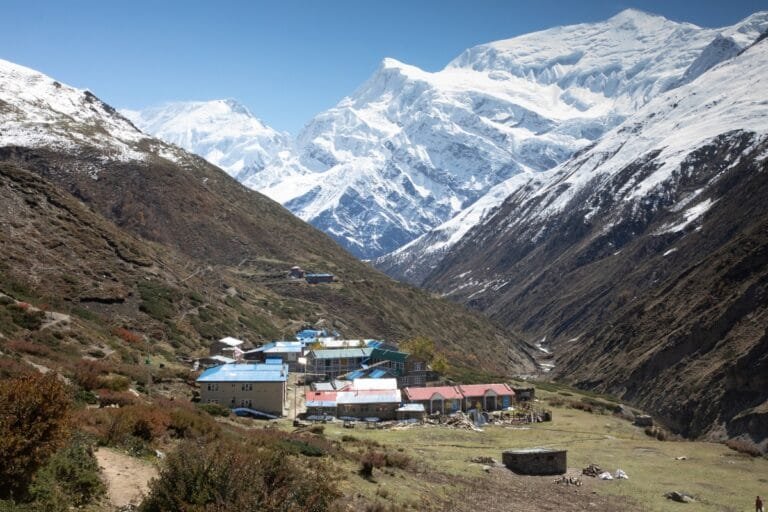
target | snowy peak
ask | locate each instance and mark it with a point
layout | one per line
(38, 111)
(224, 132)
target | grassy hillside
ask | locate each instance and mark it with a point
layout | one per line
(119, 289)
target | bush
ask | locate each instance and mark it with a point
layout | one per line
(745, 447)
(235, 475)
(127, 336)
(187, 423)
(302, 447)
(87, 374)
(346, 438)
(317, 429)
(26, 318)
(34, 422)
(215, 409)
(71, 477)
(397, 460)
(370, 460)
(157, 300)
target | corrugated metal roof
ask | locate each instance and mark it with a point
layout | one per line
(482, 389)
(321, 403)
(232, 342)
(368, 397)
(378, 373)
(389, 355)
(374, 384)
(273, 360)
(342, 353)
(411, 408)
(245, 373)
(428, 393)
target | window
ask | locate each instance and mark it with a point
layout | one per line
(418, 366)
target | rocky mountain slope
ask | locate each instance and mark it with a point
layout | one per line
(411, 149)
(205, 256)
(641, 262)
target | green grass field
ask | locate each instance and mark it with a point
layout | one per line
(720, 479)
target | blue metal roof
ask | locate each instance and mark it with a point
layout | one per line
(341, 353)
(245, 373)
(273, 361)
(355, 374)
(320, 403)
(310, 333)
(377, 373)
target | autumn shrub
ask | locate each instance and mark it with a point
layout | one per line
(34, 423)
(743, 446)
(127, 335)
(369, 460)
(234, 475)
(397, 460)
(87, 373)
(28, 347)
(109, 398)
(114, 382)
(12, 368)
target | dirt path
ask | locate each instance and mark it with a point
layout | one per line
(127, 477)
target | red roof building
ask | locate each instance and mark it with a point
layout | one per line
(488, 397)
(442, 399)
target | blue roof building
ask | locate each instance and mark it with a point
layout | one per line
(260, 386)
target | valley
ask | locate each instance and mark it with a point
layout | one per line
(555, 242)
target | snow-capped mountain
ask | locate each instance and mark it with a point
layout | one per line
(223, 132)
(38, 111)
(411, 149)
(653, 70)
(642, 260)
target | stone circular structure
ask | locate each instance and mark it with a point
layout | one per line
(536, 461)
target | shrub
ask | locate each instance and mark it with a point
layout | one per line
(34, 422)
(156, 300)
(187, 423)
(742, 446)
(87, 373)
(397, 460)
(235, 475)
(317, 429)
(119, 398)
(296, 446)
(127, 336)
(70, 478)
(346, 438)
(370, 460)
(215, 409)
(24, 317)
(28, 347)
(114, 382)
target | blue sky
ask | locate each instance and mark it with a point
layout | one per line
(286, 60)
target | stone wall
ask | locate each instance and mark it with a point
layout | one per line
(536, 461)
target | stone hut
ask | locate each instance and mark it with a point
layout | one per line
(536, 461)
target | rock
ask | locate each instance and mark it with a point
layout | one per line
(592, 470)
(680, 497)
(487, 469)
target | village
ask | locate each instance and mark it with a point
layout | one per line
(355, 381)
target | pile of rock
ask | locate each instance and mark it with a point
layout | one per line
(592, 470)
